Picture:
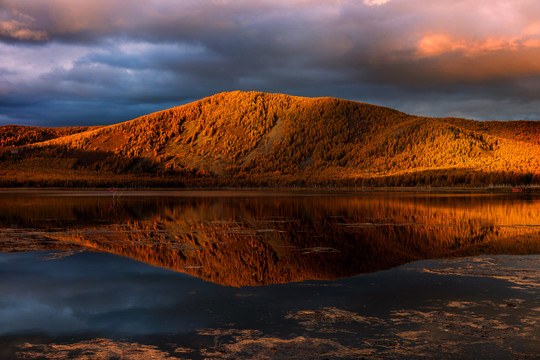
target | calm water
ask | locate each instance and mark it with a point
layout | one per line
(232, 275)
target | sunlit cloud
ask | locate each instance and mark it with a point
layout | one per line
(17, 30)
(15, 25)
(437, 44)
(375, 2)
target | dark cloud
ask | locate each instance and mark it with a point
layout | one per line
(108, 60)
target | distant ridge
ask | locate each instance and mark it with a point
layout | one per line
(259, 139)
(16, 135)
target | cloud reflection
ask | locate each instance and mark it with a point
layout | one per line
(81, 294)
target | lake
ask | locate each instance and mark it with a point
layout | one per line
(269, 275)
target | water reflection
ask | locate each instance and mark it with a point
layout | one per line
(241, 239)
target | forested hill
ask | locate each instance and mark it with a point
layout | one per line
(253, 139)
(15, 135)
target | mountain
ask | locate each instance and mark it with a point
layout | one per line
(259, 139)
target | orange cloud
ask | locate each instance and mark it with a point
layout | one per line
(19, 31)
(432, 45)
(437, 44)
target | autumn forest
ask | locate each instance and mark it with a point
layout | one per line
(259, 139)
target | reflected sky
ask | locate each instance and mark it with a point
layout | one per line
(93, 292)
(96, 295)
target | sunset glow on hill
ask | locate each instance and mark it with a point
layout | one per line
(259, 139)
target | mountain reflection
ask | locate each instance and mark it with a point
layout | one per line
(247, 240)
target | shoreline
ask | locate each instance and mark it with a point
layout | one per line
(502, 189)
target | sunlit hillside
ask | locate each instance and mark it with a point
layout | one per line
(252, 138)
(15, 135)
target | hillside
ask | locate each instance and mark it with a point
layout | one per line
(15, 135)
(259, 139)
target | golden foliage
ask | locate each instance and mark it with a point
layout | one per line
(14, 135)
(251, 138)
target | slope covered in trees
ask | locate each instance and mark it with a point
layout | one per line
(15, 135)
(252, 138)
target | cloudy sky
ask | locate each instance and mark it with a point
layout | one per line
(71, 62)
